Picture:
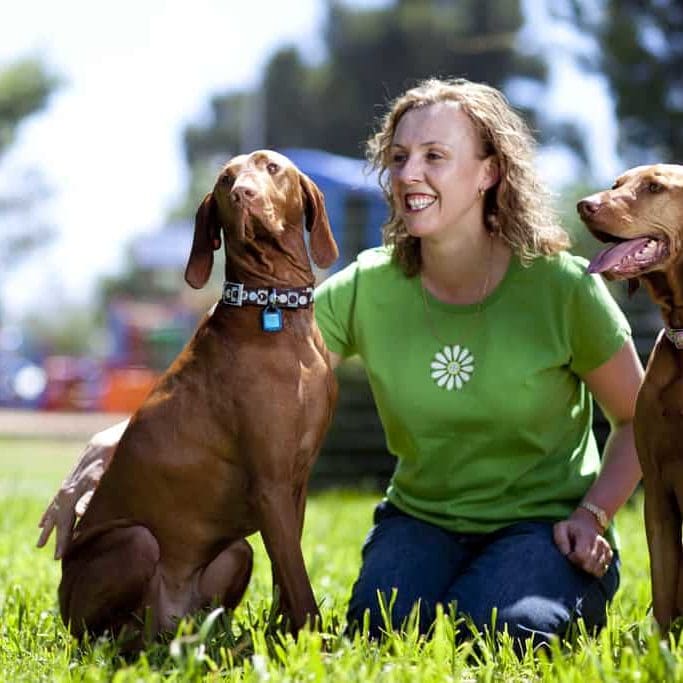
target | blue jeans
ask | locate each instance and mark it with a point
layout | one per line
(518, 570)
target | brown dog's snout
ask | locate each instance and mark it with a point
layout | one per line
(243, 193)
(587, 207)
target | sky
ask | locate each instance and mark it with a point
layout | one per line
(135, 72)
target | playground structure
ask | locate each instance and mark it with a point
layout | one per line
(146, 333)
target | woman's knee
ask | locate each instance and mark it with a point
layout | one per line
(534, 617)
(378, 612)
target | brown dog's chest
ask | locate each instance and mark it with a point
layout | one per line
(659, 410)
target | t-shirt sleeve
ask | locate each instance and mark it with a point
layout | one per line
(334, 308)
(598, 326)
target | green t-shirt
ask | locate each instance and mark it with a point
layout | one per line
(482, 404)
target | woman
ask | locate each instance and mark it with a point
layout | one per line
(482, 338)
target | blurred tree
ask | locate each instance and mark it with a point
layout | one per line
(642, 57)
(372, 56)
(24, 89)
(74, 331)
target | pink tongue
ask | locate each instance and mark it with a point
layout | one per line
(614, 255)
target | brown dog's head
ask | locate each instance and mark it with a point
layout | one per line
(259, 196)
(641, 217)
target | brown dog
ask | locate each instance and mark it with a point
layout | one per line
(224, 444)
(643, 216)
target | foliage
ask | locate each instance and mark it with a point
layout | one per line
(72, 331)
(641, 56)
(248, 644)
(25, 87)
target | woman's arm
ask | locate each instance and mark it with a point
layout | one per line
(75, 492)
(615, 386)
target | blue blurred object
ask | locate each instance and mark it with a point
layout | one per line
(353, 198)
(22, 378)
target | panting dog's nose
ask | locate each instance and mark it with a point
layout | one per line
(587, 207)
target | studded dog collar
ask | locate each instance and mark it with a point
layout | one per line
(675, 336)
(238, 294)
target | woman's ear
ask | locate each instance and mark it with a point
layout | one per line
(491, 172)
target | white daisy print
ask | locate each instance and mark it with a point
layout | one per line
(452, 367)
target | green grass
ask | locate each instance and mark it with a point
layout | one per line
(247, 646)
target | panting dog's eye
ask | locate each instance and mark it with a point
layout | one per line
(272, 168)
(655, 187)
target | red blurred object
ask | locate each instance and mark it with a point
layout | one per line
(124, 389)
(73, 383)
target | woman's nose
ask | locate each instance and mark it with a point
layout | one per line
(410, 171)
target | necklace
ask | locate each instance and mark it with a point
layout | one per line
(453, 365)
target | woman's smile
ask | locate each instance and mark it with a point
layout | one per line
(415, 202)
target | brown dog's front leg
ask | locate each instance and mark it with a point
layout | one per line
(663, 525)
(280, 532)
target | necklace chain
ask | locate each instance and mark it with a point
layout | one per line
(480, 304)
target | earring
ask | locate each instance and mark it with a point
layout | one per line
(481, 191)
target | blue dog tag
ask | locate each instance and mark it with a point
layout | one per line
(271, 319)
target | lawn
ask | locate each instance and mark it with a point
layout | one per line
(246, 646)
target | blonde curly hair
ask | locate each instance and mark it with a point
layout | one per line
(516, 208)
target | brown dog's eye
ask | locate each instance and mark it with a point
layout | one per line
(655, 187)
(272, 168)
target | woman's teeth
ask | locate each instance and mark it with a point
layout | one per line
(415, 203)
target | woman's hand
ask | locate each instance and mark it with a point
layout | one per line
(75, 493)
(615, 386)
(580, 540)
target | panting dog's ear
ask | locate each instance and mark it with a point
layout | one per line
(323, 247)
(207, 238)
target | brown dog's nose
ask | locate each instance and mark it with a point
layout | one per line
(587, 207)
(242, 193)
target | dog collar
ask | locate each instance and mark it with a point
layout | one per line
(238, 294)
(675, 336)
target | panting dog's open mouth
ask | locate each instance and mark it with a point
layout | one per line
(629, 258)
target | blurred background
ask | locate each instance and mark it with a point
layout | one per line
(115, 118)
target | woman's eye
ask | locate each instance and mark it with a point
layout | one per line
(433, 156)
(272, 168)
(398, 158)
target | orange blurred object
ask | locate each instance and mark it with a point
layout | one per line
(126, 388)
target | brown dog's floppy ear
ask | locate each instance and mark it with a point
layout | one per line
(323, 247)
(207, 238)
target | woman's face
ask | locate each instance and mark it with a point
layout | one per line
(436, 171)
